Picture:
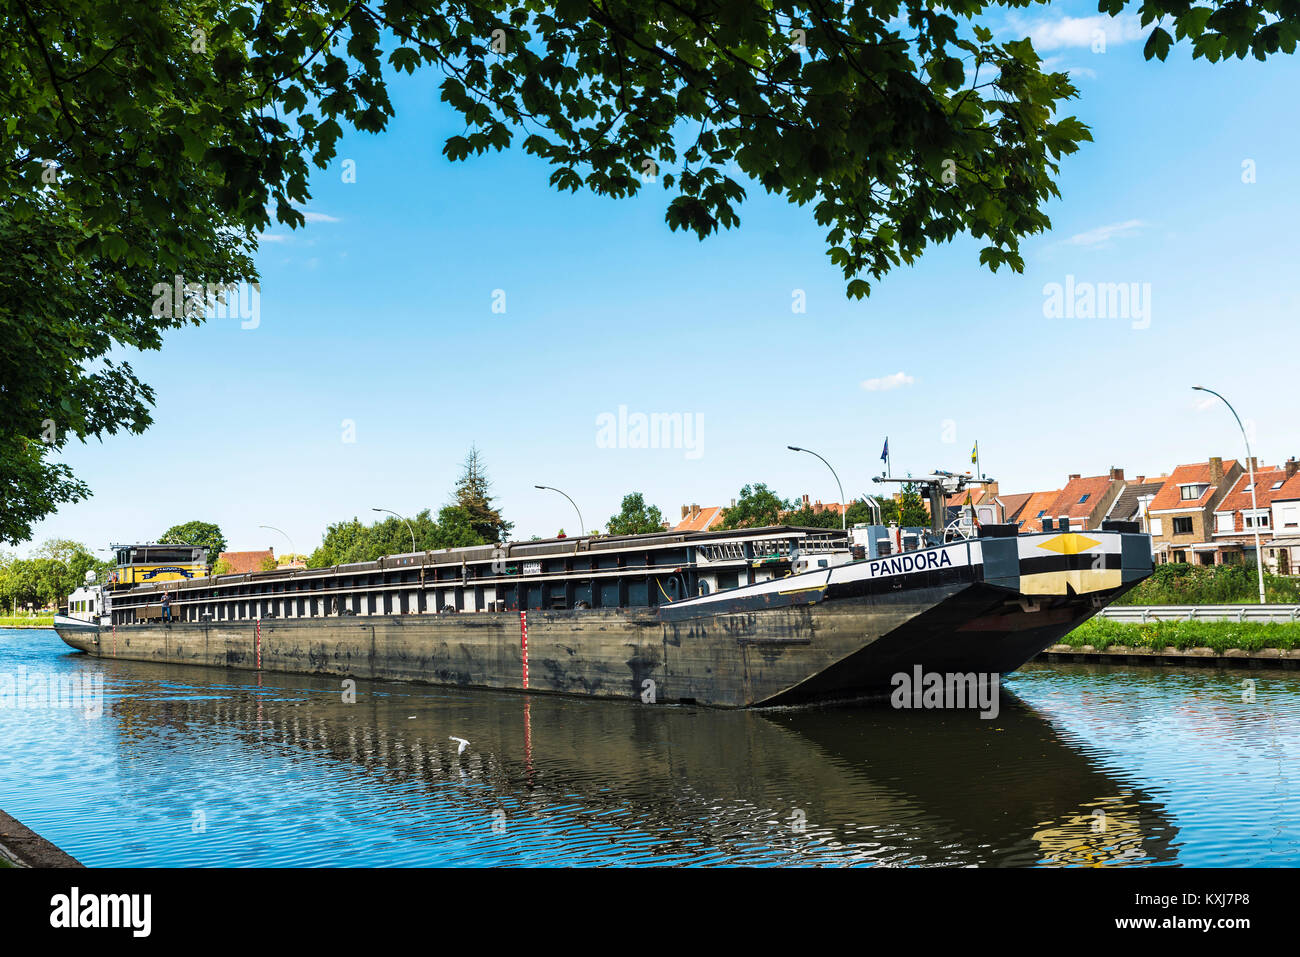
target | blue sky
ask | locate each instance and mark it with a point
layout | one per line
(380, 312)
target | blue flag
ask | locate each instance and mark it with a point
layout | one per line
(884, 453)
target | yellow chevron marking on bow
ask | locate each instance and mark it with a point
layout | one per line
(1070, 543)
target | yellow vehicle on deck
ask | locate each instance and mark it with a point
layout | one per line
(149, 564)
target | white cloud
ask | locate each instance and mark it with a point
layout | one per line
(885, 383)
(318, 217)
(273, 238)
(1063, 32)
(1104, 234)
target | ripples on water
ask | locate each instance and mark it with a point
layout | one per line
(1083, 765)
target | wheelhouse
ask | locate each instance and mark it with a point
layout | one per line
(157, 563)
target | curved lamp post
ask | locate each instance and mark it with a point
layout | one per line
(581, 527)
(292, 550)
(408, 525)
(844, 515)
(1254, 502)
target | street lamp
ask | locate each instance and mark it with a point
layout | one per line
(547, 488)
(844, 514)
(408, 525)
(292, 550)
(1254, 502)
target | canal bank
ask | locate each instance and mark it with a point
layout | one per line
(20, 846)
(1137, 654)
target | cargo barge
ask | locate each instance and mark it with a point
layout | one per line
(766, 616)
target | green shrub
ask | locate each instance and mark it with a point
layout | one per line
(1182, 584)
(1101, 633)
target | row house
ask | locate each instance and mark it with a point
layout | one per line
(989, 506)
(1035, 507)
(1239, 516)
(1084, 502)
(1181, 516)
(696, 519)
(817, 507)
(1282, 551)
(1134, 500)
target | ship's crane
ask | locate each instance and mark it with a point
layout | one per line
(938, 486)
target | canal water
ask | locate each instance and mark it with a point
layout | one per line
(133, 764)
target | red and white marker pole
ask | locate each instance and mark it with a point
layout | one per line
(523, 638)
(259, 644)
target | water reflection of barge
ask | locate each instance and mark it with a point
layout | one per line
(754, 617)
(793, 786)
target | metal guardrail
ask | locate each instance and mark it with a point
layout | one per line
(1139, 614)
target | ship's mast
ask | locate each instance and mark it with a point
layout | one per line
(938, 486)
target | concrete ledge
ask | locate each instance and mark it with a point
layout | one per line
(1276, 657)
(23, 847)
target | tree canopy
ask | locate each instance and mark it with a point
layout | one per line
(469, 519)
(197, 533)
(54, 571)
(756, 506)
(473, 499)
(148, 144)
(635, 517)
(351, 541)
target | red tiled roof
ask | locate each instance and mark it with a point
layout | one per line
(835, 507)
(977, 496)
(1170, 497)
(1068, 502)
(1030, 521)
(702, 521)
(243, 562)
(1238, 496)
(1012, 504)
(1289, 491)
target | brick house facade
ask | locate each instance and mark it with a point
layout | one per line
(1181, 516)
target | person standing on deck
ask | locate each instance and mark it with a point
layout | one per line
(167, 607)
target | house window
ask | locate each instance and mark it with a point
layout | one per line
(1182, 526)
(1085, 497)
(1276, 486)
(1157, 526)
(1225, 522)
(1290, 517)
(1040, 513)
(1190, 493)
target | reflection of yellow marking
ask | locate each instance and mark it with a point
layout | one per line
(1082, 580)
(1093, 840)
(1069, 543)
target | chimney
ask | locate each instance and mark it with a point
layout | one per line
(805, 500)
(1075, 476)
(695, 510)
(1141, 479)
(1216, 470)
(685, 511)
(992, 489)
(1116, 475)
(1291, 466)
(1254, 463)
(733, 503)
